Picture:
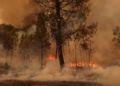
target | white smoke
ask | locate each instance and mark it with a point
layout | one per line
(31, 30)
(21, 70)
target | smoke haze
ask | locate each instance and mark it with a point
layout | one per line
(31, 71)
(105, 12)
(17, 12)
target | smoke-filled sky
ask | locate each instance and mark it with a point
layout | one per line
(16, 12)
(105, 12)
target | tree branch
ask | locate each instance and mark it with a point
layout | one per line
(68, 35)
(68, 18)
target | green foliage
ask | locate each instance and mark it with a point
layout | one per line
(26, 27)
(9, 36)
(42, 34)
(37, 42)
(8, 27)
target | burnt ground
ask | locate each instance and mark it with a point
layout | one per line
(46, 83)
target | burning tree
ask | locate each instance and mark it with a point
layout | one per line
(61, 14)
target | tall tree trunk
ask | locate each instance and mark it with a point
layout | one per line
(69, 50)
(6, 56)
(59, 40)
(42, 54)
(11, 54)
(56, 52)
(89, 55)
(75, 54)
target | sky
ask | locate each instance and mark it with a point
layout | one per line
(105, 12)
(17, 12)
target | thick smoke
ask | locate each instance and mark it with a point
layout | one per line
(2, 54)
(31, 71)
(17, 12)
(106, 13)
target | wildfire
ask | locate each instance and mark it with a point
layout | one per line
(51, 57)
(83, 64)
(93, 64)
(78, 64)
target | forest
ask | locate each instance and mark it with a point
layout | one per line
(60, 24)
(59, 42)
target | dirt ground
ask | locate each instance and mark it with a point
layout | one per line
(46, 83)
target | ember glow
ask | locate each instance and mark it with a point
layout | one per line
(83, 64)
(51, 57)
(91, 64)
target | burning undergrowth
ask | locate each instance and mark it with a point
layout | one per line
(51, 72)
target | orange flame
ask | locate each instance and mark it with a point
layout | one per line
(93, 64)
(83, 64)
(51, 57)
(78, 64)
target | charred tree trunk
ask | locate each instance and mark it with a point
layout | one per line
(11, 54)
(56, 52)
(59, 40)
(89, 55)
(42, 54)
(75, 55)
(69, 50)
(6, 56)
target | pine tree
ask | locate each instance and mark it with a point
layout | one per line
(65, 13)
